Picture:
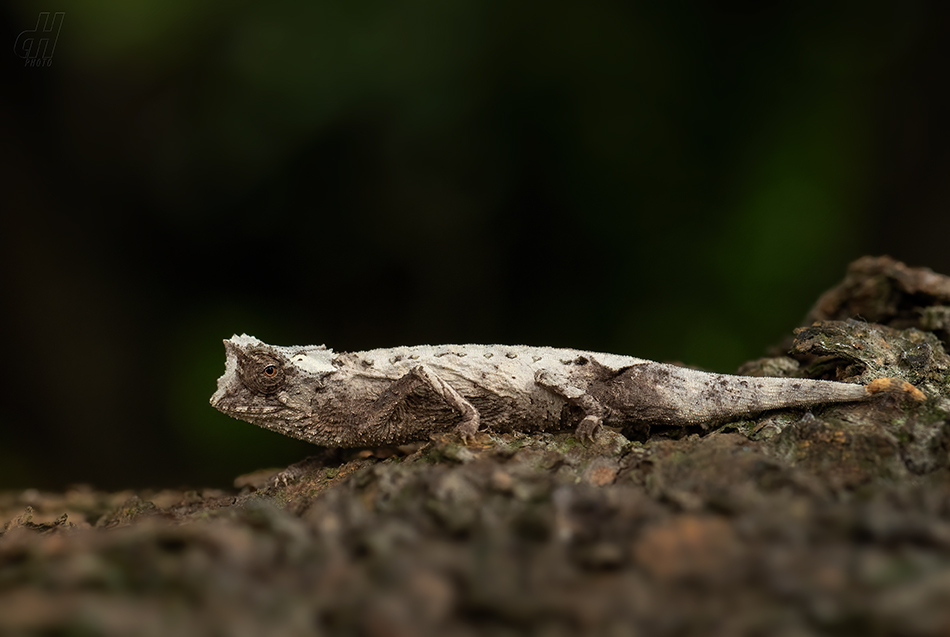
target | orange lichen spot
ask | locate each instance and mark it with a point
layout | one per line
(894, 385)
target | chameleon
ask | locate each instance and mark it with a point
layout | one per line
(397, 395)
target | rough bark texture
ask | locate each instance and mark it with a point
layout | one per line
(829, 521)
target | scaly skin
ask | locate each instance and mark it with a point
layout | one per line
(401, 394)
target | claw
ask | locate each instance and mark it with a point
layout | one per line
(588, 427)
(284, 478)
(467, 429)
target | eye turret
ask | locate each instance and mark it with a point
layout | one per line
(261, 372)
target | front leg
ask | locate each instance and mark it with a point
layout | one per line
(561, 385)
(387, 417)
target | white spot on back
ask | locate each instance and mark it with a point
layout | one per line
(316, 361)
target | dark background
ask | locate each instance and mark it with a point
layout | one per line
(676, 181)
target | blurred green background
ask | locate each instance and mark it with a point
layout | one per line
(677, 181)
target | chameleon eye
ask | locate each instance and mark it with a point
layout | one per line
(262, 372)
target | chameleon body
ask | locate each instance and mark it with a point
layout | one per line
(401, 394)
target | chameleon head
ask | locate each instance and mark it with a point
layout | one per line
(269, 386)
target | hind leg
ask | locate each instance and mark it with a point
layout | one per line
(561, 385)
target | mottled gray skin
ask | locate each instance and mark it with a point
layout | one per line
(401, 394)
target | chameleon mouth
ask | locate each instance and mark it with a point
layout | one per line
(225, 403)
(250, 410)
